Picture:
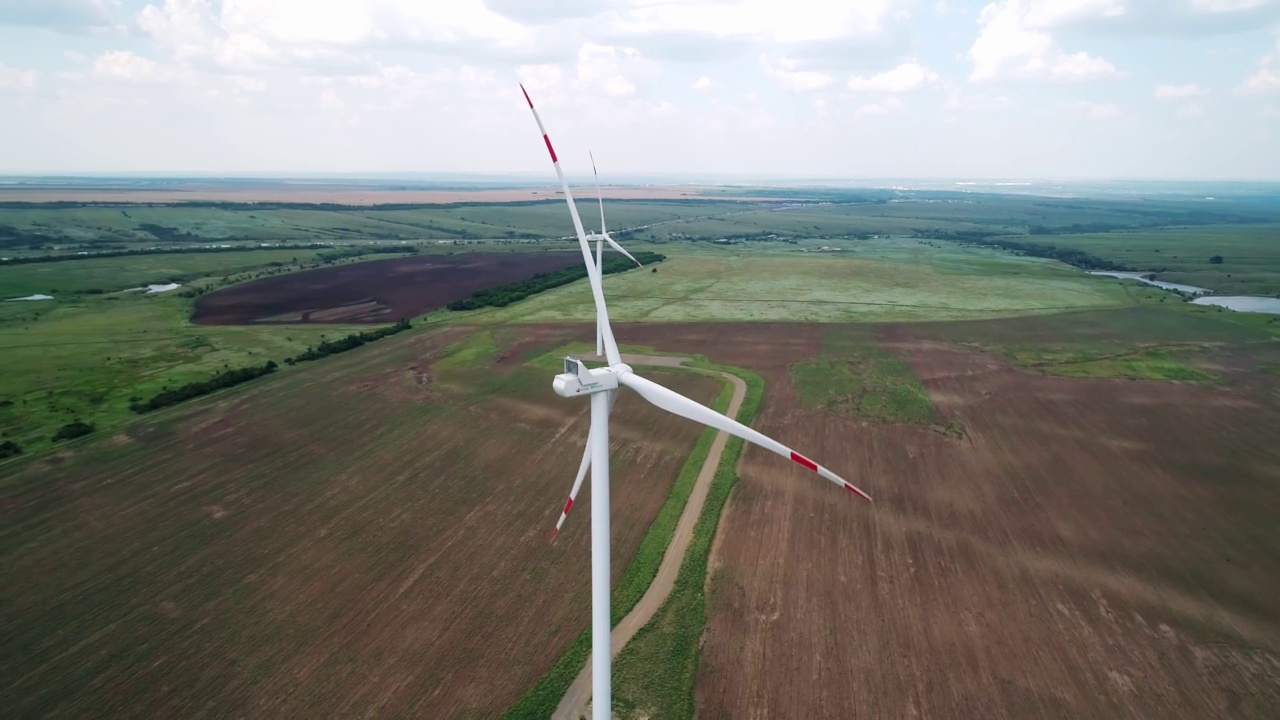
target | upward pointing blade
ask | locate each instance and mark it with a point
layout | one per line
(593, 273)
(603, 230)
(675, 403)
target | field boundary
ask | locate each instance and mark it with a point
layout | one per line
(546, 695)
(662, 660)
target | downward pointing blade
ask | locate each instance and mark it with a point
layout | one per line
(577, 485)
(677, 404)
(609, 239)
(582, 474)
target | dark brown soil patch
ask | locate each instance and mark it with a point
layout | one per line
(379, 291)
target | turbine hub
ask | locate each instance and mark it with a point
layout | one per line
(577, 379)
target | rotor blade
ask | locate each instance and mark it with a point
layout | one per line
(603, 229)
(593, 273)
(582, 473)
(577, 485)
(599, 265)
(609, 239)
(675, 403)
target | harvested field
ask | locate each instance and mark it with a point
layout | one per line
(363, 537)
(1089, 548)
(378, 291)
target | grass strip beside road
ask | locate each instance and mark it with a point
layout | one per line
(654, 675)
(541, 700)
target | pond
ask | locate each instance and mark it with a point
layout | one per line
(31, 297)
(1243, 303)
(1158, 283)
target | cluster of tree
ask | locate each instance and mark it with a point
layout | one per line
(504, 295)
(336, 255)
(1071, 256)
(350, 342)
(1077, 228)
(70, 431)
(1216, 260)
(167, 397)
(168, 234)
(9, 448)
(12, 237)
(157, 251)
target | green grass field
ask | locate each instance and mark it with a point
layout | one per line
(85, 359)
(1250, 255)
(875, 280)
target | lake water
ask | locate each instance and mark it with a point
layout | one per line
(1158, 283)
(1243, 303)
(31, 297)
(153, 289)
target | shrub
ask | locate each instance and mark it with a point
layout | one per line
(73, 430)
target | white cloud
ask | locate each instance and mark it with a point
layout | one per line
(906, 77)
(701, 83)
(1228, 6)
(540, 77)
(794, 21)
(1173, 92)
(1013, 42)
(1190, 110)
(612, 69)
(888, 106)
(331, 101)
(14, 79)
(1099, 111)
(125, 66)
(247, 33)
(1266, 79)
(791, 78)
(1048, 14)
(957, 100)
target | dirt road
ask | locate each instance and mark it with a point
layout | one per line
(574, 705)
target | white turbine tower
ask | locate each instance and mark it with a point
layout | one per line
(602, 385)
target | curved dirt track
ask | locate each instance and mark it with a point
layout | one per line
(574, 703)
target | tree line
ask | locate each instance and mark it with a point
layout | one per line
(91, 255)
(350, 342)
(227, 379)
(504, 295)
(1070, 256)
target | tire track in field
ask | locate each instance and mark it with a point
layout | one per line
(574, 703)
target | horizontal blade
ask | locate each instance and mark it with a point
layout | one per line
(675, 403)
(593, 273)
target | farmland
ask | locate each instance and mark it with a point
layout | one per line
(1071, 473)
(1039, 565)
(229, 557)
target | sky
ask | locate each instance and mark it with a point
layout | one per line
(1043, 89)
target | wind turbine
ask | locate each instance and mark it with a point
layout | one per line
(602, 385)
(604, 235)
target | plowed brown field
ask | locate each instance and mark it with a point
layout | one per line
(1091, 548)
(360, 538)
(371, 292)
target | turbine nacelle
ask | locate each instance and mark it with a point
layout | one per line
(578, 379)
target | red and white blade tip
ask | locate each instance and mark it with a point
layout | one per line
(568, 504)
(815, 467)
